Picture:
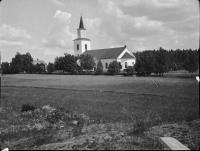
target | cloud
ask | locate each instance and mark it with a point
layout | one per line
(11, 33)
(154, 23)
(124, 25)
(62, 16)
(57, 2)
(92, 22)
(51, 52)
(12, 43)
(59, 35)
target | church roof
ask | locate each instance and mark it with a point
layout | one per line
(109, 53)
(127, 55)
(81, 26)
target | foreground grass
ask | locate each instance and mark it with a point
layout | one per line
(134, 108)
(40, 129)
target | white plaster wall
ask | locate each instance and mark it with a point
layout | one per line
(81, 33)
(81, 44)
(130, 62)
(104, 61)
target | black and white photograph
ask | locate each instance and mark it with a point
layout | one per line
(99, 75)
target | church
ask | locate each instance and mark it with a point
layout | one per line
(106, 56)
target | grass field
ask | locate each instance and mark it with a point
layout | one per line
(105, 99)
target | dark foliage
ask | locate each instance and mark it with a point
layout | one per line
(114, 67)
(161, 61)
(27, 107)
(5, 67)
(99, 69)
(87, 62)
(50, 67)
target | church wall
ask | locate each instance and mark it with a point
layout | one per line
(104, 61)
(81, 44)
(129, 62)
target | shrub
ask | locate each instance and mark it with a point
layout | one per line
(26, 107)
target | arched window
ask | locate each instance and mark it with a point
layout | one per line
(85, 46)
(125, 64)
(106, 65)
(77, 47)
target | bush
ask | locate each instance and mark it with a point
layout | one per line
(26, 107)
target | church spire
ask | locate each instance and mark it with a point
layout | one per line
(81, 26)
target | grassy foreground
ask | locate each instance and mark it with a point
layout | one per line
(125, 112)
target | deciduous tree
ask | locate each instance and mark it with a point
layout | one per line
(114, 67)
(99, 68)
(5, 67)
(87, 62)
(50, 67)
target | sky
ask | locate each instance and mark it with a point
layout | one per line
(46, 28)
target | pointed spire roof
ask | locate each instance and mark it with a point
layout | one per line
(81, 26)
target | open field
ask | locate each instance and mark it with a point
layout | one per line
(105, 99)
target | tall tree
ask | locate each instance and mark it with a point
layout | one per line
(114, 67)
(27, 62)
(39, 68)
(87, 62)
(50, 67)
(21, 63)
(161, 64)
(68, 63)
(5, 67)
(191, 64)
(99, 68)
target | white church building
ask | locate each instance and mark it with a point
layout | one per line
(106, 56)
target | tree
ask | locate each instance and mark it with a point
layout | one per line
(50, 67)
(87, 62)
(21, 63)
(161, 61)
(138, 65)
(114, 67)
(99, 68)
(27, 62)
(130, 70)
(67, 63)
(191, 64)
(5, 68)
(39, 68)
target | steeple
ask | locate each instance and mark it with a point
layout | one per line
(81, 26)
(81, 43)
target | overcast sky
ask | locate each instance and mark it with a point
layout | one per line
(46, 28)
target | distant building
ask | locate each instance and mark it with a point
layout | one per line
(106, 56)
(40, 62)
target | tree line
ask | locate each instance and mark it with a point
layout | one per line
(147, 62)
(162, 61)
(21, 63)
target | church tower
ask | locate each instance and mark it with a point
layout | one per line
(81, 44)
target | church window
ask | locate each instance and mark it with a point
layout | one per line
(77, 47)
(85, 46)
(125, 64)
(106, 65)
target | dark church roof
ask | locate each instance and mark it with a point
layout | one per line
(81, 26)
(109, 53)
(126, 56)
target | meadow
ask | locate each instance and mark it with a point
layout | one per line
(143, 101)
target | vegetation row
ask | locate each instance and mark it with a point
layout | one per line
(147, 62)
